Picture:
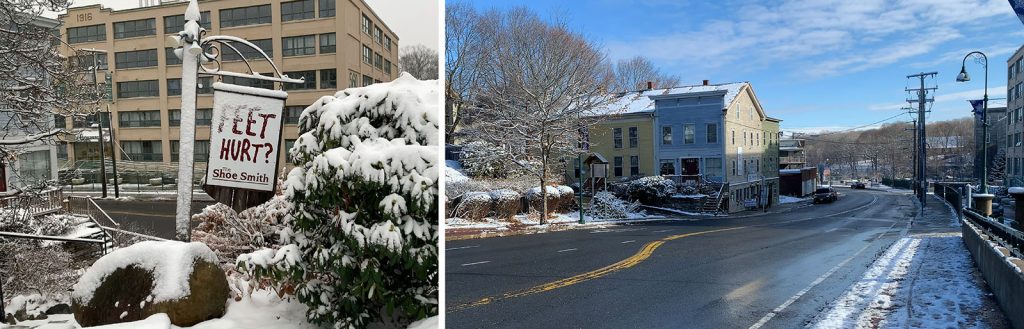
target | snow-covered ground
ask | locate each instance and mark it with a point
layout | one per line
(784, 199)
(453, 172)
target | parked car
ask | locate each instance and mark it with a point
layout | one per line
(858, 185)
(825, 194)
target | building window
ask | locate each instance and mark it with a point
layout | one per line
(689, 133)
(203, 117)
(367, 80)
(176, 23)
(172, 59)
(89, 33)
(633, 142)
(298, 46)
(173, 87)
(267, 45)
(292, 113)
(328, 43)
(367, 55)
(387, 67)
(135, 119)
(288, 144)
(634, 166)
(666, 135)
(378, 35)
(142, 150)
(34, 167)
(136, 28)
(255, 83)
(327, 8)
(712, 134)
(617, 139)
(201, 154)
(617, 165)
(132, 59)
(86, 61)
(366, 24)
(668, 167)
(387, 42)
(329, 79)
(733, 137)
(713, 167)
(62, 151)
(353, 79)
(734, 167)
(245, 16)
(174, 118)
(378, 61)
(204, 85)
(308, 83)
(144, 88)
(296, 10)
(59, 121)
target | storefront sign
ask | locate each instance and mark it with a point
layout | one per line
(245, 137)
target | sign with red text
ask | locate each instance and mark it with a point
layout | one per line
(245, 137)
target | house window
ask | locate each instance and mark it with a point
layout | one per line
(136, 119)
(713, 167)
(734, 167)
(733, 137)
(667, 167)
(367, 55)
(632, 137)
(142, 150)
(89, 33)
(353, 79)
(666, 135)
(298, 46)
(328, 43)
(144, 88)
(329, 79)
(296, 10)
(138, 58)
(308, 83)
(245, 16)
(712, 134)
(689, 132)
(292, 113)
(176, 23)
(59, 121)
(327, 8)
(201, 154)
(617, 138)
(634, 166)
(267, 45)
(136, 28)
(34, 167)
(617, 165)
(366, 24)
(62, 151)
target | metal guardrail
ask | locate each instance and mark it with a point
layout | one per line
(955, 194)
(1006, 236)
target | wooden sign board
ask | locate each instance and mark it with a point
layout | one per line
(245, 143)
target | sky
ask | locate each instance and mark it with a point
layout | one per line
(817, 65)
(415, 21)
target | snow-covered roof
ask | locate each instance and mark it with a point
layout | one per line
(642, 102)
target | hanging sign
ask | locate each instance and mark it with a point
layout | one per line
(245, 139)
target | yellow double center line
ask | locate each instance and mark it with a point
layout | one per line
(637, 258)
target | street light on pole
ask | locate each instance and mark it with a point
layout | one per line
(99, 121)
(963, 77)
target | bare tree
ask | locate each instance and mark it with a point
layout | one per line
(419, 61)
(543, 83)
(633, 74)
(36, 81)
(467, 34)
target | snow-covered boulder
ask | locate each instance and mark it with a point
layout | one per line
(534, 195)
(566, 198)
(180, 279)
(474, 206)
(507, 203)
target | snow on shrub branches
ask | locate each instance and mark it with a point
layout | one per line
(651, 189)
(360, 238)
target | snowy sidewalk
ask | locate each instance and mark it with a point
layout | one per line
(926, 279)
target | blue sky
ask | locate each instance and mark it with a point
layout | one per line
(815, 64)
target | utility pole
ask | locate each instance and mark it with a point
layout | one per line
(921, 181)
(99, 122)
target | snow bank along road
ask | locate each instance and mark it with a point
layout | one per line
(772, 271)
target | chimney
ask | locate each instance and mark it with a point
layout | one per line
(650, 85)
(706, 82)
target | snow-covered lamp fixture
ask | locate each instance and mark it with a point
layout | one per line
(963, 77)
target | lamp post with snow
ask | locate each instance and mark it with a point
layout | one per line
(963, 77)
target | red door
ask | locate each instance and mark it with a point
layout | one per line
(691, 166)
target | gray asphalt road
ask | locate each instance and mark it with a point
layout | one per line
(778, 270)
(147, 217)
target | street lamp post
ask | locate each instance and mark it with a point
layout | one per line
(963, 77)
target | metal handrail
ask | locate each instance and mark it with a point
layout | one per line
(1006, 236)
